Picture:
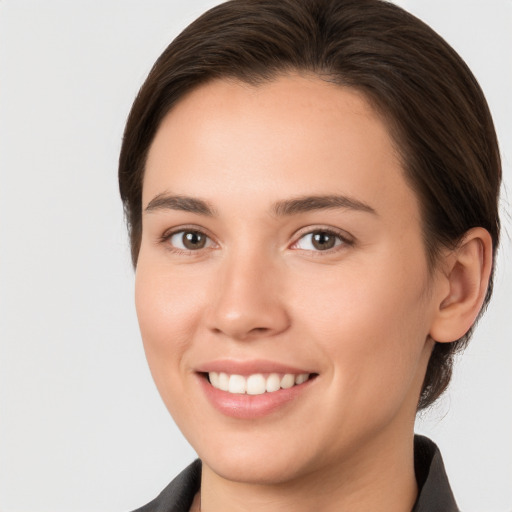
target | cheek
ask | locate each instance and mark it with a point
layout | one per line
(167, 311)
(370, 323)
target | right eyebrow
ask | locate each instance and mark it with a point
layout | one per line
(182, 203)
(322, 202)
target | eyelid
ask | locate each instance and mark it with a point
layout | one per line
(185, 227)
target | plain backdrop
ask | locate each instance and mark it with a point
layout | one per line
(82, 428)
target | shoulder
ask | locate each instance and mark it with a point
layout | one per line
(179, 494)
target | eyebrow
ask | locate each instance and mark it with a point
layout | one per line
(308, 203)
(284, 208)
(182, 203)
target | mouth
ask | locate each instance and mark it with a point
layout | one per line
(256, 383)
(254, 389)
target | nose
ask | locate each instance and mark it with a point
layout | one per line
(247, 299)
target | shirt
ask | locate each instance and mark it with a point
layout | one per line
(434, 492)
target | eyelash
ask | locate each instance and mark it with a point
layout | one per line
(342, 238)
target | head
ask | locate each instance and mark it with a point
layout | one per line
(431, 103)
(356, 97)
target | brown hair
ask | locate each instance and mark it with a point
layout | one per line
(434, 107)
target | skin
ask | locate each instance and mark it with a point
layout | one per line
(359, 315)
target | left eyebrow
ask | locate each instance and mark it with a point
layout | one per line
(305, 204)
(181, 203)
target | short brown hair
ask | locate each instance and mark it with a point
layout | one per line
(434, 107)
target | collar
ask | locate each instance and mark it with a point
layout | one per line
(434, 489)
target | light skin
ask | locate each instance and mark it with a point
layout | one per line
(234, 163)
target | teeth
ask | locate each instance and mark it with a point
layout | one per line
(287, 381)
(237, 384)
(273, 382)
(214, 379)
(303, 377)
(255, 384)
(223, 381)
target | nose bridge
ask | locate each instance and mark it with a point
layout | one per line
(248, 301)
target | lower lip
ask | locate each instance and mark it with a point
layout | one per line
(244, 406)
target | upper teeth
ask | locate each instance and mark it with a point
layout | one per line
(255, 384)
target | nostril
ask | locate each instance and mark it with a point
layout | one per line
(260, 329)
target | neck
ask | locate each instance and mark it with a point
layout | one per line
(381, 479)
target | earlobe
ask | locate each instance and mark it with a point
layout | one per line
(467, 273)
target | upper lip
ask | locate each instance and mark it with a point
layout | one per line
(249, 367)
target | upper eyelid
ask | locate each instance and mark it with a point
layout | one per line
(178, 229)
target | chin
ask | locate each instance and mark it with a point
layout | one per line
(261, 460)
(251, 469)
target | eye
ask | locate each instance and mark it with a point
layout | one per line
(319, 240)
(189, 240)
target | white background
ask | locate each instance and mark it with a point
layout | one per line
(82, 428)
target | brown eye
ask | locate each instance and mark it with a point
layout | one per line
(323, 240)
(189, 240)
(194, 240)
(319, 240)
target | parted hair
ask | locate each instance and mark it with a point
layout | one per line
(433, 106)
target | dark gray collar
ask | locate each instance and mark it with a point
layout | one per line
(435, 493)
(179, 494)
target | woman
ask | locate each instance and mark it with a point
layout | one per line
(311, 192)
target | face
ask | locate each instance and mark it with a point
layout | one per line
(282, 287)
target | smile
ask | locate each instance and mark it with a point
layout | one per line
(248, 390)
(255, 384)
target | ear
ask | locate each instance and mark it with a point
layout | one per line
(465, 276)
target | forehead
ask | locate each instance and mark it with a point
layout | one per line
(296, 134)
